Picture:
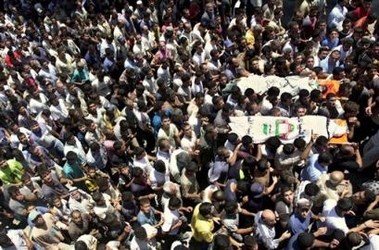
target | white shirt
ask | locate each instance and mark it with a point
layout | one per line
(337, 16)
(150, 85)
(170, 218)
(343, 53)
(188, 143)
(83, 206)
(103, 211)
(77, 148)
(173, 167)
(333, 220)
(144, 164)
(14, 138)
(60, 111)
(164, 74)
(198, 59)
(116, 128)
(37, 106)
(137, 244)
(16, 236)
(266, 106)
(89, 240)
(157, 179)
(164, 156)
(197, 87)
(102, 87)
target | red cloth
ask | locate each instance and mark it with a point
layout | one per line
(360, 12)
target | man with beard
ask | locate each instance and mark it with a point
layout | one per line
(81, 223)
(52, 186)
(46, 231)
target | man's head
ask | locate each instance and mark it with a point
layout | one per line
(287, 195)
(98, 198)
(174, 203)
(303, 207)
(36, 218)
(140, 233)
(363, 197)
(15, 193)
(76, 217)
(334, 57)
(269, 218)
(335, 178)
(71, 157)
(145, 205)
(231, 207)
(305, 240)
(325, 159)
(344, 206)
(205, 210)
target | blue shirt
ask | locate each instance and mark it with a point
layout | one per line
(80, 75)
(292, 243)
(328, 66)
(229, 195)
(107, 65)
(298, 224)
(72, 171)
(313, 170)
(330, 44)
(150, 219)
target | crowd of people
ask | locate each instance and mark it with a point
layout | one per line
(115, 125)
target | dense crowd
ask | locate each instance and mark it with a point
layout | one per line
(115, 125)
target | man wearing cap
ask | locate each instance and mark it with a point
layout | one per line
(301, 218)
(265, 230)
(46, 231)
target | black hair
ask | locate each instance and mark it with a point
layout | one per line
(273, 91)
(80, 245)
(140, 233)
(273, 143)
(205, 209)
(325, 157)
(160, 166)
(232, 137)
(221, 242)
(370, 196)
(311, 189)
(305, 240)
(137, 172)
(288, 148)
(285, 96)
(345, 204)
(246, 140)
(230, 207)
(174, 202)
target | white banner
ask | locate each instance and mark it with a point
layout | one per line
(287, 129)
(290, 84)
